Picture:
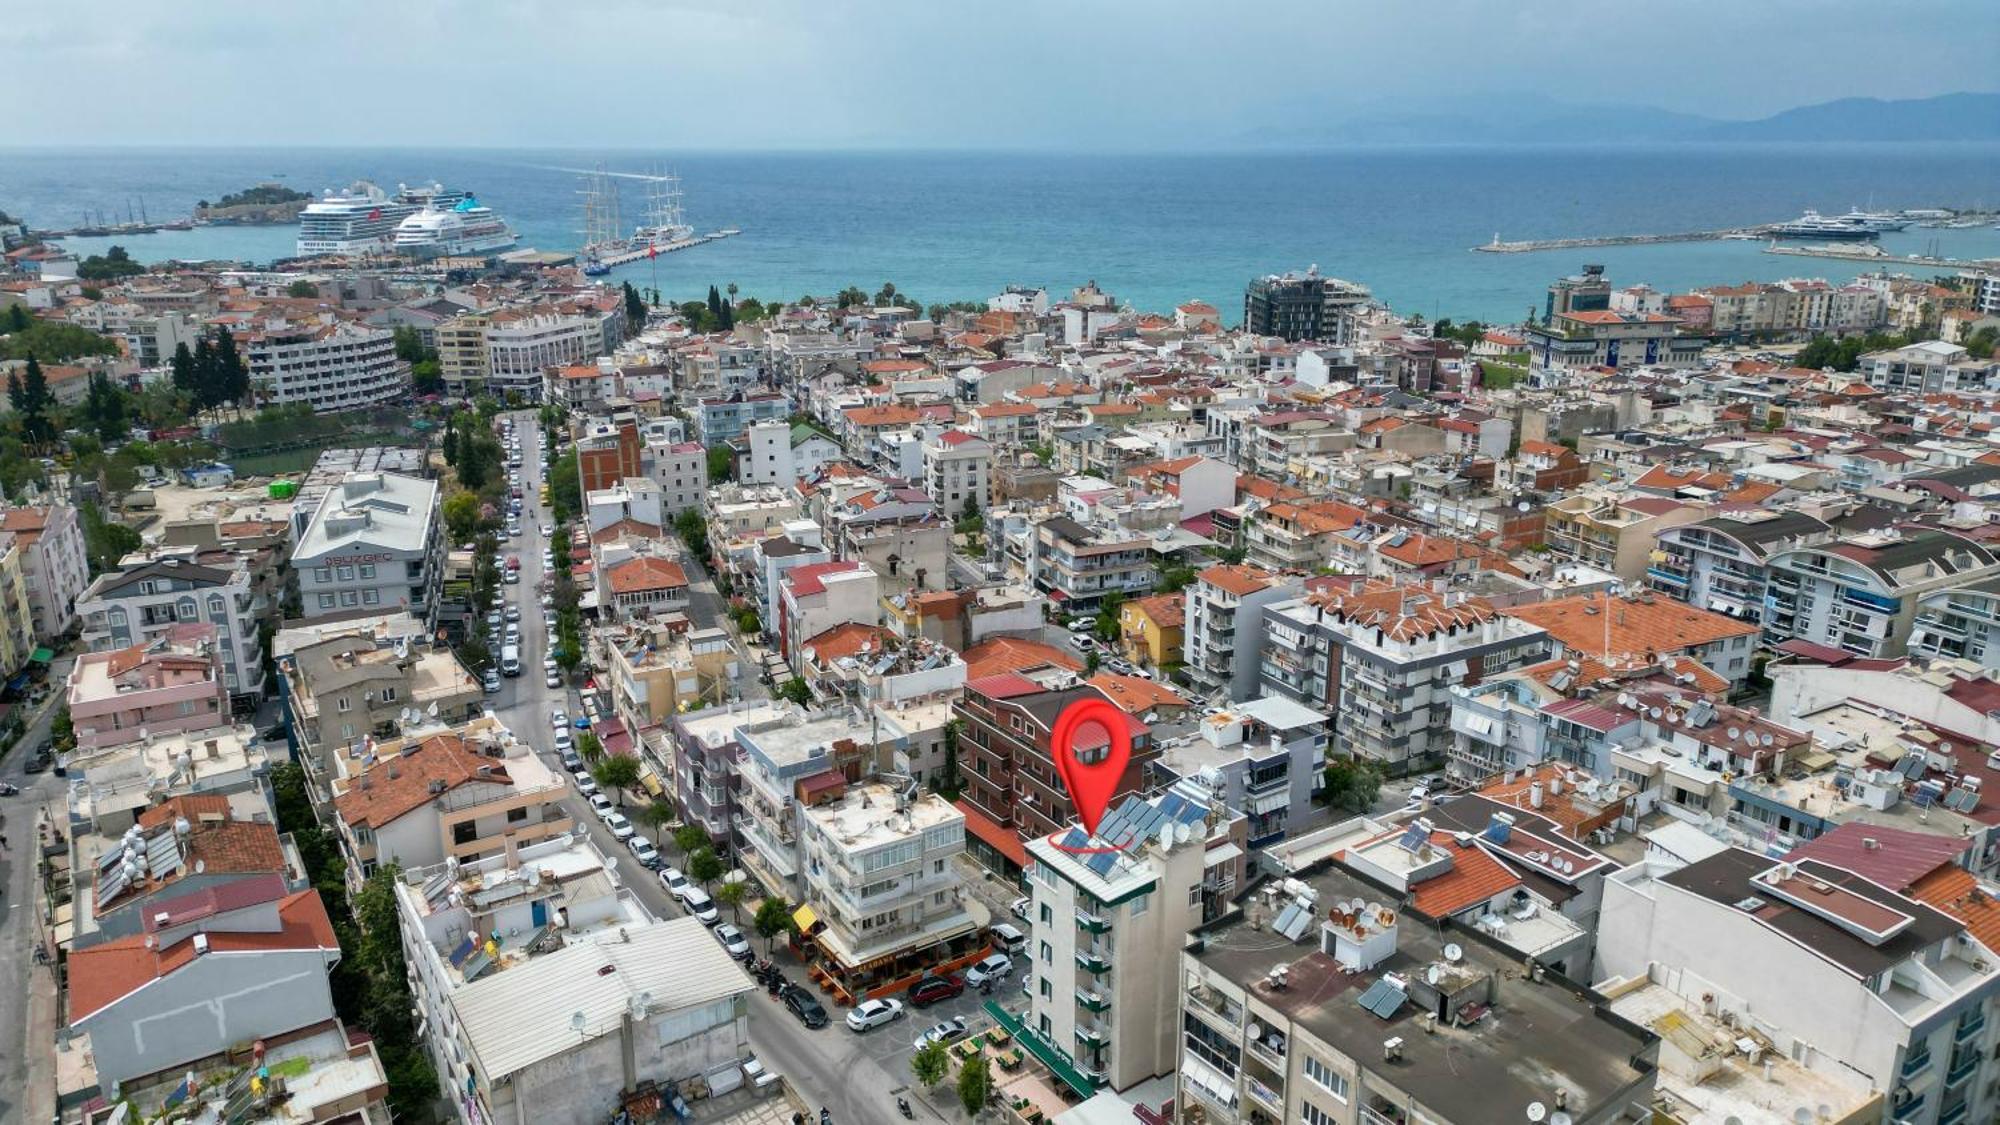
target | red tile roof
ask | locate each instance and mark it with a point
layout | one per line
(377, 798)
(102, 975)
(1474, 878)
(1136, 695)
(1954, 891)
(646, 573)
(1647, 624)
(1896, 858)
(995, 655)
(807, 580)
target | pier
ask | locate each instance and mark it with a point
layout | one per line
(1532, 245)
(1876, 254)
(624, 257)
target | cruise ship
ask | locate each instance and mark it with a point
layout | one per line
(444, 230)
(1814, 225)
(363, 218)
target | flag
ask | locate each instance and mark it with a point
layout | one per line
(652, 251)
(375, 214)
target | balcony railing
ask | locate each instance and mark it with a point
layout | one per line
(1091, 923)
(1967, 1030)
(1093, 962)
(1093, 1000)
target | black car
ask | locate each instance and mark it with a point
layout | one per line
(38, 763)
(806, 1006)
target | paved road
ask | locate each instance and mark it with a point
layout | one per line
(23, 1058)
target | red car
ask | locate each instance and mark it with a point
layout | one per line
(513, 562)
(931, 990)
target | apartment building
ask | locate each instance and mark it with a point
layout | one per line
(680, 468)
(1721, 563)
(1151, 629)
(818, 596)
(1930, 368)
(1826, 965)
(126, 607)
(1612, 533)
(877, 863)
(957, 471)
(17, 620)
(1580, 340)
(1860, 594)
(1288, 536)
(331, 367)
(1960, 623)
(1386, 656)
(171, 683)
(375, 543)
(655, 670)
(608, 452)
(461, 792)
(708, 766)
(1013, 792)
(1225, 602)
(1077, 566)
(1305, 306)
(1106, 911)
(510, 351)
(361, 678)
(1641, 627)
(1261, 758)
(1318, 1003)
(722, 419)
(53, 566)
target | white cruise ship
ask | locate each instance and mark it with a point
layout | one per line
(444, 230)
(363, 218)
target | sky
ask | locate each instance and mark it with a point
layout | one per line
(759, 74)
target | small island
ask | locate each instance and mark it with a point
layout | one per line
(259, 204)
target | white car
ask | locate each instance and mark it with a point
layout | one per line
(620, 827)
(553, 679)
(871, 1014)
(643, 850)
(601, 805)
(513, 613)
(559, 719)
(547, 531)
(586, 784)
(1020, 907)
(563, 741)
(991, 969)
(950, 1031)
(672, 879)
(733, 941)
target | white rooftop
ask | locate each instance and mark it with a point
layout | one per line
(378, 510)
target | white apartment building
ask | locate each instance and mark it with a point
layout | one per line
(1104, 921)
(680, 468)
(769, 460)
(1860, 594)
(1932, 367)
(374, 543)
(1832, 970)
(332, 367)
(512, 350)
(1960, 622)
(1223, 600)
(53, 566)
(139, 603)
(957, 470)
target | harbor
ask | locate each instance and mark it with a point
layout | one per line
(1876, 254)
(635, 253)
(1530, 246)
(1853, 227)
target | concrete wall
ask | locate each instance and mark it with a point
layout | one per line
(580, 1086)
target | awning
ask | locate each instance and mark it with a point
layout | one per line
(805, 919)
(1001, 839)
(41, 656)
(1043, 1051)
(652, 785)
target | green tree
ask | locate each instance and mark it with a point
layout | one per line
(1091, 662)
(690, 838)
(410, 345)
(732, 894)
(565, 487)
(975, 1084)
(796, 690)
(721, 464)
(104, 408)
(1351, 784)
(693, 530)
(302, 289)
(53, 341)
(617, 772)
(656, 815)
(715, 306)
(1174, 579)
(18, 319)
(461, 516)
(773, 917)
(635, 309)
(109, 266)
(952, 783)
(62, 730)
(427, 376)
(930, 1064)
(1106, 625)
(850, 297)
(35, 404)
(705, 866)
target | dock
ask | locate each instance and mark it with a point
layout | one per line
(1860, 254)
(624, 257)
(1533, 245)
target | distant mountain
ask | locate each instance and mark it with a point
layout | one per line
(1950, 117)
(1516, 119)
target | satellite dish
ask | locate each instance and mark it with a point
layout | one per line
(1735, 733)
(1654, 713)
(1537, 1111)
(1256, 1032)
(577, 1021)
(1559, 1118)
(1768, 739)
(1802, 1115)
(1453, 953)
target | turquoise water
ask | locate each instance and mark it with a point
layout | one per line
(1153, 230)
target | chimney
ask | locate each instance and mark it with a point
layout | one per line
(1870, 843)
(1535, 795)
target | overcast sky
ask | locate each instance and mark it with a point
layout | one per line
(1038, 73)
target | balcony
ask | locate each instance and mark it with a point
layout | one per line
(1094, 962)
(1091, 923)
(1091, 1035)
(1968, 1029)
(1092, 1000)
(1264, 1095)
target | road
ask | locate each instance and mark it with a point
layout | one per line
(26, 1059)
(857, 1077)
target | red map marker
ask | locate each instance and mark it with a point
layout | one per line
(1091, 784)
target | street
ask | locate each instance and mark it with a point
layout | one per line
(20, 931)
(856, 1077)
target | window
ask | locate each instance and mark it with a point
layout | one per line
(1141, 904)
(367, 570)
(1048, 990)
(322, 575)
(464, 832)
(345, 704)
(516, 816)
(1048, 954)
(346, 573)
(326, 601)
(388, 695)
(1194, 896)
(1311, 1114)
(1326, 1078)
(349, 598)
(1048, 916)
(371, 597)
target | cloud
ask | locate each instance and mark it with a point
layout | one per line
(1045, 73)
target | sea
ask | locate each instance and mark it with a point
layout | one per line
(1153, 230)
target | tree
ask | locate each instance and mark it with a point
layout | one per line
(35, 403)
(721, 464)
(16, 397)
(18, 319)
(589, 747)
(796, 690)
(732, 894)
(1107, 616)
(409, 344)
(109, 266)
(232, 375)
(104, 542)
(617, 772)
(693, 531)
(715, 305)
(690, 838)
(849, 298)
(302, 289)
(62, 730)
(975, 1084)
(1091, 662)
(773, 917)
(53, 341)
(104, 407)
(182, 366)
(930, 1064)
(1351, 784)
(953, 782)
(705, 866)
(635, 309)
(656, 815)
(1174, 579)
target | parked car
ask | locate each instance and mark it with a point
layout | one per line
(601, 805)
(643, 850)
(931, 990)
(733, 941)
(563, 741)
(490, 681)
(871, 1014)
(806, 1006)
(991, 969)
(621, 829)
(697, 903)
(552, 679)
(1081, 643)
(571, 762)
(672, 879)
(1021, 906)
(950, 1031)
(559, 719)
(586, 784)
(513, 613)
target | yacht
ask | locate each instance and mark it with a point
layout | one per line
(362, 219)
(1874, 220)
(443, 230)
(1814, 225)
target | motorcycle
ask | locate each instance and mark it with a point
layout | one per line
(8, 789)
(903, 1107)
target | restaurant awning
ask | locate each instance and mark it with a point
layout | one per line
(805, 919)
(41, 656)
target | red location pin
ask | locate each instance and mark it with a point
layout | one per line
(1091, 784)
